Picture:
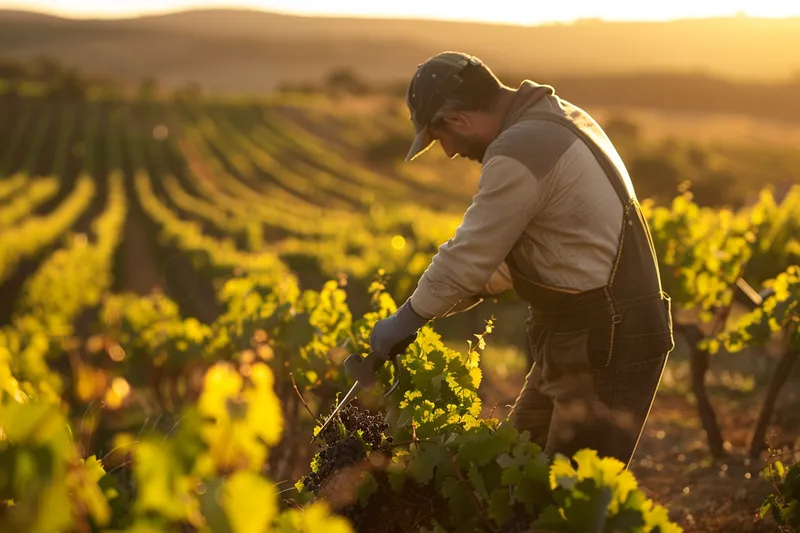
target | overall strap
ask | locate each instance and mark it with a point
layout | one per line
(613, 171)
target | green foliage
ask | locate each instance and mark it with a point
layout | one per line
(783, 504)
(779, 313)
(149, 420)
(599, 496)
(438, 388)
(51, 486)
(208, 473)
(27, 238)
(702, 252)
(484, 472)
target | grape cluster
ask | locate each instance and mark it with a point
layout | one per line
(334, 457)
(342, 450)
(372, 426)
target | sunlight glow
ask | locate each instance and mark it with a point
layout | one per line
(503, 11)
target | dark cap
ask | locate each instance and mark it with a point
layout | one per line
(434, 81)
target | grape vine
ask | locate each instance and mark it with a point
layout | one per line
(122, 412)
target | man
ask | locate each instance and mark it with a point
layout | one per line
(555, 218)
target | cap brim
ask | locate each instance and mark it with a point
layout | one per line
(422, 142)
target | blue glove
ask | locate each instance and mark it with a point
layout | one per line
(393, 332)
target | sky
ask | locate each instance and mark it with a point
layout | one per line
(505, 11)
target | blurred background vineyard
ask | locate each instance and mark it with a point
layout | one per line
(152, 205)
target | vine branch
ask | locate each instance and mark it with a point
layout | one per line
(299, 395)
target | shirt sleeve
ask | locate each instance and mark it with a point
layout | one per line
(473, 259)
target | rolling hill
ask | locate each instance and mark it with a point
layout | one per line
(246, 51)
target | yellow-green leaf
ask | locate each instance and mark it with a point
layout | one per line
(249, 502)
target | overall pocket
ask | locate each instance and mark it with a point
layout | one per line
(580, 351)
(568, 352)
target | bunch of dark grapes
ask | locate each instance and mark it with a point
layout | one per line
(342, 450)
(353, 419)
(334, 457)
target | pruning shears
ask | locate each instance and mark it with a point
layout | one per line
(365, 370)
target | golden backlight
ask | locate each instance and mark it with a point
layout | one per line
(505, 11)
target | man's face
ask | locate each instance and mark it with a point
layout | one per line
(459, 136)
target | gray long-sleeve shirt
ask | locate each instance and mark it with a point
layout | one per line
(541, 189)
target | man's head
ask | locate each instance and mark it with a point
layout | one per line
(453, 98)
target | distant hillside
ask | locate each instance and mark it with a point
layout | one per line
(685, 93)
(246, 51)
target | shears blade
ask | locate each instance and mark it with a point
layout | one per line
(364, 369)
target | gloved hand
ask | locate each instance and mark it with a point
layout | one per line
(391, 333)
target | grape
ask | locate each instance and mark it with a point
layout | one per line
(342, 450)
(372, 426)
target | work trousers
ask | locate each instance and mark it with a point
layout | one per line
(591, 388)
